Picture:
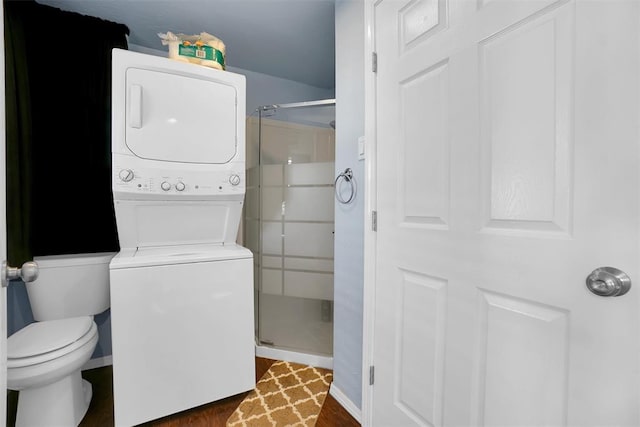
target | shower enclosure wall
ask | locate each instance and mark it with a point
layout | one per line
(289, 224)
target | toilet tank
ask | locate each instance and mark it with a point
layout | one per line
(70, 286)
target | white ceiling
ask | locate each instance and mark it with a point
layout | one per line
(291, 39)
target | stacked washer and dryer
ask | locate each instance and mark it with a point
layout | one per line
(181, 288)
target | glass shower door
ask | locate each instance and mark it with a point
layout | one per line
(289, 221)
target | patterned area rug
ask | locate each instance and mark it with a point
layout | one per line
(289, 394)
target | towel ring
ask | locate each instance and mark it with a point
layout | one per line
(346, 176)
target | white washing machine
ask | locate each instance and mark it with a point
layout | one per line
(181, 288)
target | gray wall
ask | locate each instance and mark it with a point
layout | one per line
(262, 89)
(349, 219)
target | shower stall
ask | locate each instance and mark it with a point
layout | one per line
(289, 227)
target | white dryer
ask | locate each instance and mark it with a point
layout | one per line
(181, 289)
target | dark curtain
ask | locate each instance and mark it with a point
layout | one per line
(58, 111)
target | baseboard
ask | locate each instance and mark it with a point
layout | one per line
(346, 403)
(98, 362)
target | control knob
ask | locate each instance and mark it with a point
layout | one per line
(180, 186)
(165, 186)
(234, 179)
(126, 175)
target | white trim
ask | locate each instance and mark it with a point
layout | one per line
(345, 402)
(3, 226)
(295, 357)
(638, 141)
(370, 203)
(98, 362)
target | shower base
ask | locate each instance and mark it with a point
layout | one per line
(294, 356)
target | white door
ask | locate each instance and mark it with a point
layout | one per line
(507, 138)
(3, 232)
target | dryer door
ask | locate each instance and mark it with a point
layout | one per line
(171, 117)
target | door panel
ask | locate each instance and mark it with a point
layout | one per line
(525, 116)
(421, 19)
(507, 133)
(421, 314)
(424, 185)
(522, 372)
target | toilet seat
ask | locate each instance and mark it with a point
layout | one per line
(44, 341)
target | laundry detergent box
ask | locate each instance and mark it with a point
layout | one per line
(202, 49)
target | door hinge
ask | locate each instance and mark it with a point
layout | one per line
(371, 374)
(374, 62)
(374, 220)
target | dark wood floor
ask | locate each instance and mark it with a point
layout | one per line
(215, 414)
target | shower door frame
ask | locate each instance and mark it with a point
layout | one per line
(295, 356)
(319, 103)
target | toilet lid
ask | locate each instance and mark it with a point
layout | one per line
(44, 337)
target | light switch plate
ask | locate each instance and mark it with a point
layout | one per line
(361, 148)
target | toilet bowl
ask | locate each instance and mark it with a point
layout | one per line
(44, 358)
(43, 362)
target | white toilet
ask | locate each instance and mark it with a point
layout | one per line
(44, 359)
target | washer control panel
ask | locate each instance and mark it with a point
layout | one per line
(156, 181)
